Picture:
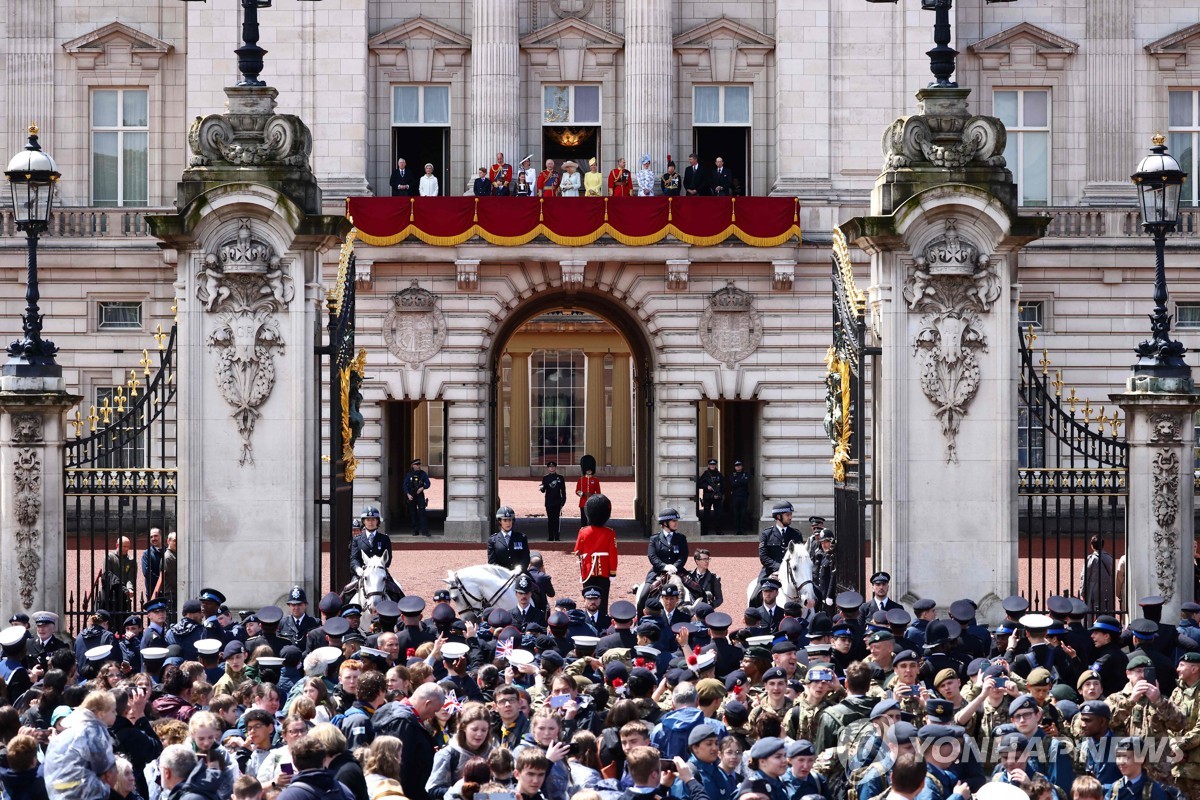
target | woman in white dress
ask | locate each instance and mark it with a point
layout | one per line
(645, 179)
(571, 180)
(429, 182)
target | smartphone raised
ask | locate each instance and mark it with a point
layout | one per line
(559, 700)
(666, 765)
(286, 768)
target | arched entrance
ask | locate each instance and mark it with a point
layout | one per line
(571, 373)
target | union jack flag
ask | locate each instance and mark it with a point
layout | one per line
(504, 649)
(452, 704)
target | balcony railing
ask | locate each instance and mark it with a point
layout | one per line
(1072, 222)
(90, 223)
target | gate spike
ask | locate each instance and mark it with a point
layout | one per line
(1057, 383)
(1073, 400)
(160, 338)
(93, 419)
(1045, 362)
(1030, 337)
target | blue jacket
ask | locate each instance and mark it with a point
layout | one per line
(1057, 765)
(1147, 789)
(670, 735)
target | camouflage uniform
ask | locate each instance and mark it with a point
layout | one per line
(1145, 719)
(990, 719)
(1187, 772)
(801, 720)
(762, 704)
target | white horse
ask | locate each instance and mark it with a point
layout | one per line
(795, 577)
(483, 586)
(650, 590)
(372, 586)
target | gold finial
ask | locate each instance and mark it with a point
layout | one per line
(133, 383)
(1045, 362)
(1057, 383)
(77, 423)
(93, 419)
(33, 129)
(145, 362)
(1030, 336)
(1087, 412)
(160, 338)
(1073, 400)
(119, 399)
(1159, 140)
(106, 411)
(175, 309)
(1116, 425)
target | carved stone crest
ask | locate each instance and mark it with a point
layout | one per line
(730, 329)
(244, 283)
(1164, 428)
(572, 8)
(415, 329)
(27, 503)
(952, 284)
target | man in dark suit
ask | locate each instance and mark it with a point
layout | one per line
(506, 547)
(668, 551)
(403, 181)
(721, 181)
(879, 600)
(695, 178)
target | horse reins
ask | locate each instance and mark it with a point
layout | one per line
(484, 602)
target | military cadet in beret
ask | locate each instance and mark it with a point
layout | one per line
(801, 720)
(1186, 698)
(1142, 709)
(768, 762)
(800, 780)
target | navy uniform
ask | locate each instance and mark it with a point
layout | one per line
(872, 603)
(269, 617)
(597, 619)
(154, 635)
(12, 668)
(712, 497)
(329, 607)
(554, 487)
(211, 601)
(1110, 659)
(92, 636)
(669, 548)
(773, 542)
(739, 496)
(187, 631)
(294, 627)
(916, 631)
(416, 484)
(621, 611)
(825, 572)
(729, 655)
(410, 636)
(771, 617)
(130, 644)
(44, 643)
(508, 549)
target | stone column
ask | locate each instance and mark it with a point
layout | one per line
(593, 426)
(675, 453)
(32, 518)
(518, 411)
(420, 434)
(27, 87)
(1160, 517)
(495, 84)
(622, 405)
(944, 241)
(1113, 57)
(648, 80)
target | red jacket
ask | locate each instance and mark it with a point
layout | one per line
(585, 487)
(597, 547)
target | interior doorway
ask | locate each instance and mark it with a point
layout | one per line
(421, 145)
(575, 142)
(571, 377)
(412, 429)
(729, 431)
(731, 143)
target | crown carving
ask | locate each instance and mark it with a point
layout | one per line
(414, 298)
(948, 254)
(245, 254)
(731, 298)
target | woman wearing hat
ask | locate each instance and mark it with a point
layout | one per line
(571, 180)
(429, 183)
(645, 178)
(593, 181)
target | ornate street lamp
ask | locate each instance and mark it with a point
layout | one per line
(941, 57)
(32, 175)
(250, 55)
(1159, 181)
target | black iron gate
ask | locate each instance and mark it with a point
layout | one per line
(849, 362)
(1073, 484)
(344, 425)
(120, 483)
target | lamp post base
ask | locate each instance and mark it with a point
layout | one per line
(20, 374)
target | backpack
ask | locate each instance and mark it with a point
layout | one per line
(851, 739)
(338, 792)
(673, 742)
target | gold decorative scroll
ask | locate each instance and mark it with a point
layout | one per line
(854, 295)
(842, 429)
(357, 367)
(337, 293)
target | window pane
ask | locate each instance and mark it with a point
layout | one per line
(1035, 169)
(104, 108)
(437, 105)
(708, 105)
(1180, 115)
(405, 105)
(1006, 108)
(1180, 146)
(737, 104)
(104, 169)
(118, 315)
(1030, 313)
(134, 108)
(134, 168)
(556, 104)
(587, 104)
(1036, 110)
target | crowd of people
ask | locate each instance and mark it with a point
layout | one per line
(556, 699)
(569, 179)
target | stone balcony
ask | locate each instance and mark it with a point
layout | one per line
(103, 226)
(1078, 222)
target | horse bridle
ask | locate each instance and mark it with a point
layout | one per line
(483, 600)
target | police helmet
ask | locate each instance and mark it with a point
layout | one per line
(370, 511)
(668, 514)
(782, 507)
(505, 512)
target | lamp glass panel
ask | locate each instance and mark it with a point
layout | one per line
(1171, 201)
(21, 201)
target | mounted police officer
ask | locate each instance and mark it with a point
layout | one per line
(372, 543)
(773, 543)
(508, 548)
(712, 497)
(668, 551)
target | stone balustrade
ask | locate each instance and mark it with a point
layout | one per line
(1076, 222)
(89, 223)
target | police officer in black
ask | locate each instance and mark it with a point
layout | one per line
(555, 489)
(773, 543)
(712, 498)
(416, 483)
(668, 551)
(298, 622)
(739, 496)
(507, 547)
(269, 617)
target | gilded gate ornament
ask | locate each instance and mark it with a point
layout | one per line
(953, 285)
(245, 284)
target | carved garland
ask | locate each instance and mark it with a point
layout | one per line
(952, 284)
(1164, 471)
(838, 418)
(27, 503)
(352, 419)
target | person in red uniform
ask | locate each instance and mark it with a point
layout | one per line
(596, 548)
(587, 486)
(547, 181)
(500, 176)
(620, 181)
